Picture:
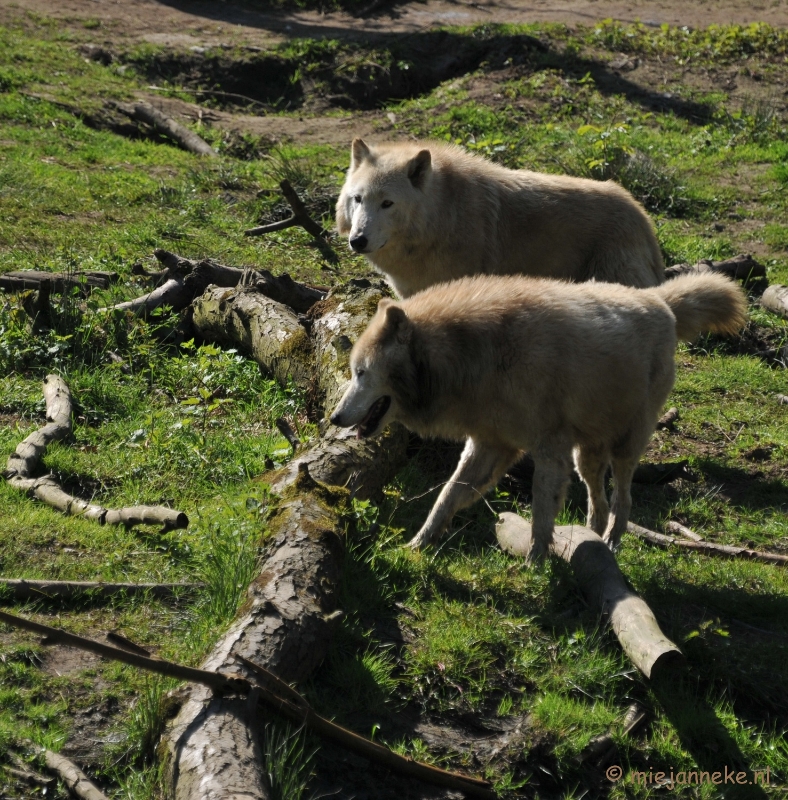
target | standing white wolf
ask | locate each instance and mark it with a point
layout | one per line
(513, 363)
(425, 212)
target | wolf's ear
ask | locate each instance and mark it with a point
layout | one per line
(419, 167)
(359, 151)
(395, 319)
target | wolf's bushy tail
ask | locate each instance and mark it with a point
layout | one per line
(703, 303)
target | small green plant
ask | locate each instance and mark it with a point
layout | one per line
(287, 761)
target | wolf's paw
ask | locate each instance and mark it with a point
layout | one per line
(537, 554)
(612, 542)
(417, 542)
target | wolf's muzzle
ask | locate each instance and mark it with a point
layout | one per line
(359, 244)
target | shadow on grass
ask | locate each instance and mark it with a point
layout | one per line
(421, 60)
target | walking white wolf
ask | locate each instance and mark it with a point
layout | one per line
(428, 212)
(513, 363)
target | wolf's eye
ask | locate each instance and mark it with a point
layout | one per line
(357, 198)
(360, 372)
(387, 204)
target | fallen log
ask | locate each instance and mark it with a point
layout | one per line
(73, 776)
(741, 267)
(183, 279)
(707, 548)
(775, 299)
(22, 589)
(161, 123)
(29, 452)
(23, 280)
(605, 589)
(211, 748)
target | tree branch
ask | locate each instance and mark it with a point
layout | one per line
(605, 588)
(707, 548)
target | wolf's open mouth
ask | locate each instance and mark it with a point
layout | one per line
(370, 423)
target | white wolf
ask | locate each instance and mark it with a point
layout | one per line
(513, 363)
(425, 212)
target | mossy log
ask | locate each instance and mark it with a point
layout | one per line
(212, 747)
(604, 587)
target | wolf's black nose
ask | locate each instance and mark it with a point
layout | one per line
(359, 244)
(335, 419)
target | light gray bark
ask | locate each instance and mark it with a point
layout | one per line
(604, 587)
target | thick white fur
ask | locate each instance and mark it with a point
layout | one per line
(511, 364)
(431, 212)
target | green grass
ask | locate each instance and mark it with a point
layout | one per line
(482, 637)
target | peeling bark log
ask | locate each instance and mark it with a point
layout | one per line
(287, 621)
(775, 299)
(21, 589)
(263, 329)
(707, 548)
(605, 588)
(188, 140)
(73, 776)
(742, 267)
(681, 530)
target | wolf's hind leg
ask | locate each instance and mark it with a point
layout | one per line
(551, 476)
(623, 470)
(592, 463)
(480, 467)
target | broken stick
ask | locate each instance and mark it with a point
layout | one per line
(21, 589)
(605, 588)
(300, 216)
(707, 548)
(28, 454)
(742, 267)
(73, 776)
(775, 299)
(188, 140)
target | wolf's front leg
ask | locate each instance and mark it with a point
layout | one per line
(481, 466)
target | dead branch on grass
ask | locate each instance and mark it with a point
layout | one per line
(741, 267)
(775, 299)
(21, 589)
(300, 217)
(604, 587)
(84, 280)
(29, 452)
(707, 548)
(73, 776)
(188, 140)
(668, 420)
(275, 693)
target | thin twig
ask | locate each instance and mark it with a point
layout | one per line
(286, 429)
(707, 548)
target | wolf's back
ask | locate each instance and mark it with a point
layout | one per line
(704, 303)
